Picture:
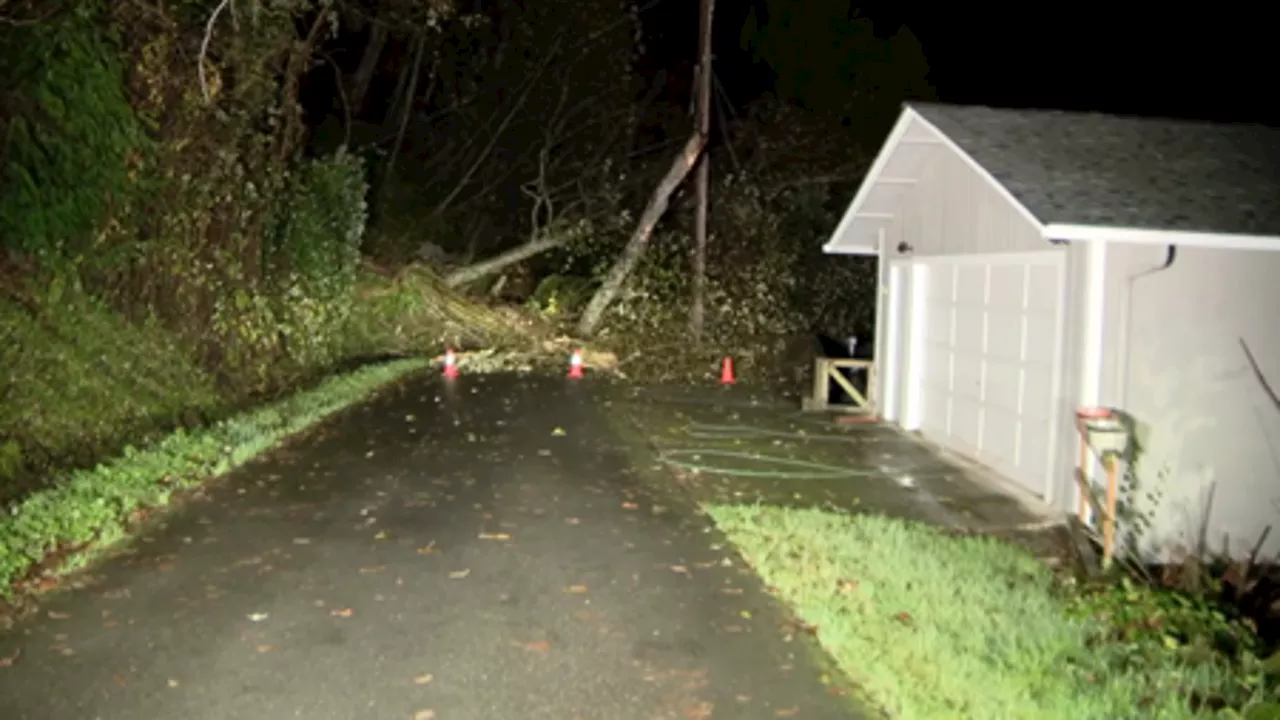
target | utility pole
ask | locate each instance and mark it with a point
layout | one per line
(697, 307)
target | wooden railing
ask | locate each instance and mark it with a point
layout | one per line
(826, 370)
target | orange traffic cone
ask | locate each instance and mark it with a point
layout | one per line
(726, 371)
(575, 364)
(450, 364)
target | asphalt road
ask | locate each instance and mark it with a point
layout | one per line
(474, 551)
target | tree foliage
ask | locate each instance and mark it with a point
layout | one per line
(70, 135)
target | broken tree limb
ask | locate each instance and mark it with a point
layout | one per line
(500, 262)
(630, 257)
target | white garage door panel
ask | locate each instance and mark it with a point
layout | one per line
(1002, 439)
(1004, 386)
(991, 356)
(1040, 333)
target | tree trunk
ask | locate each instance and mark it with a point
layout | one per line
(363, 76)
(630, 257)
(499, 262)
(408, 104)
(697, 304)
(397, 95)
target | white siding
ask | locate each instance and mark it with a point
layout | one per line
(1204, 418)
(953, 209)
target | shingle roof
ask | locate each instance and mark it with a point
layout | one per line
(1095, 169)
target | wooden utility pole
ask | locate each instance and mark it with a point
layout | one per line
(697, 306)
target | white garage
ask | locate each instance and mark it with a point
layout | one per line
(1034, 262)
(972, 306)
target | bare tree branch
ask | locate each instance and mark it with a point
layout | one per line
(408, 101)
(204, 48)
(342, 97)
(506, 122)
(1257, 373)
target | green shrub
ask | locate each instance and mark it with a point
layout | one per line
(79, 377)
(94, 505)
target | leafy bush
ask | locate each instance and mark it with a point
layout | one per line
(78, 377)
(69, 136)
(1203, 652)
(317, 256)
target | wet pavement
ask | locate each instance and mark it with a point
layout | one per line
(734, 446)
(499, 548)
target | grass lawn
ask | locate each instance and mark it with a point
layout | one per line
(92, 507)
(936, 626)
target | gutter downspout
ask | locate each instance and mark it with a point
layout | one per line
(1126, 319)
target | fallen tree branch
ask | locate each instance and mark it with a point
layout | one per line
(1260, 376)
(630, 257)
(495, 264)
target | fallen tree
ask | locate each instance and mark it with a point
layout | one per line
(499, 262)
(630, 257)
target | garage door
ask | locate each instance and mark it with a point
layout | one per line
(989, 372)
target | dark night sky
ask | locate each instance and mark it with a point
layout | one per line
(1162, 62)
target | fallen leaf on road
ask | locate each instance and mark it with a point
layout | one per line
(429, 549)
(558, 432)
(542, 647)
(425, 715)
(680, 569)
(371, 570)
(58, 615)
(576, 589)
(788, 712)
(257, 617)
(423, 679)
(572, 520)
(344, 612)
(382, 535)
(11, 659)
(494, 536)
(629, 506)
(699, 711)
(302, 541)
(173, 683)
(265, 648)
(459, 574)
